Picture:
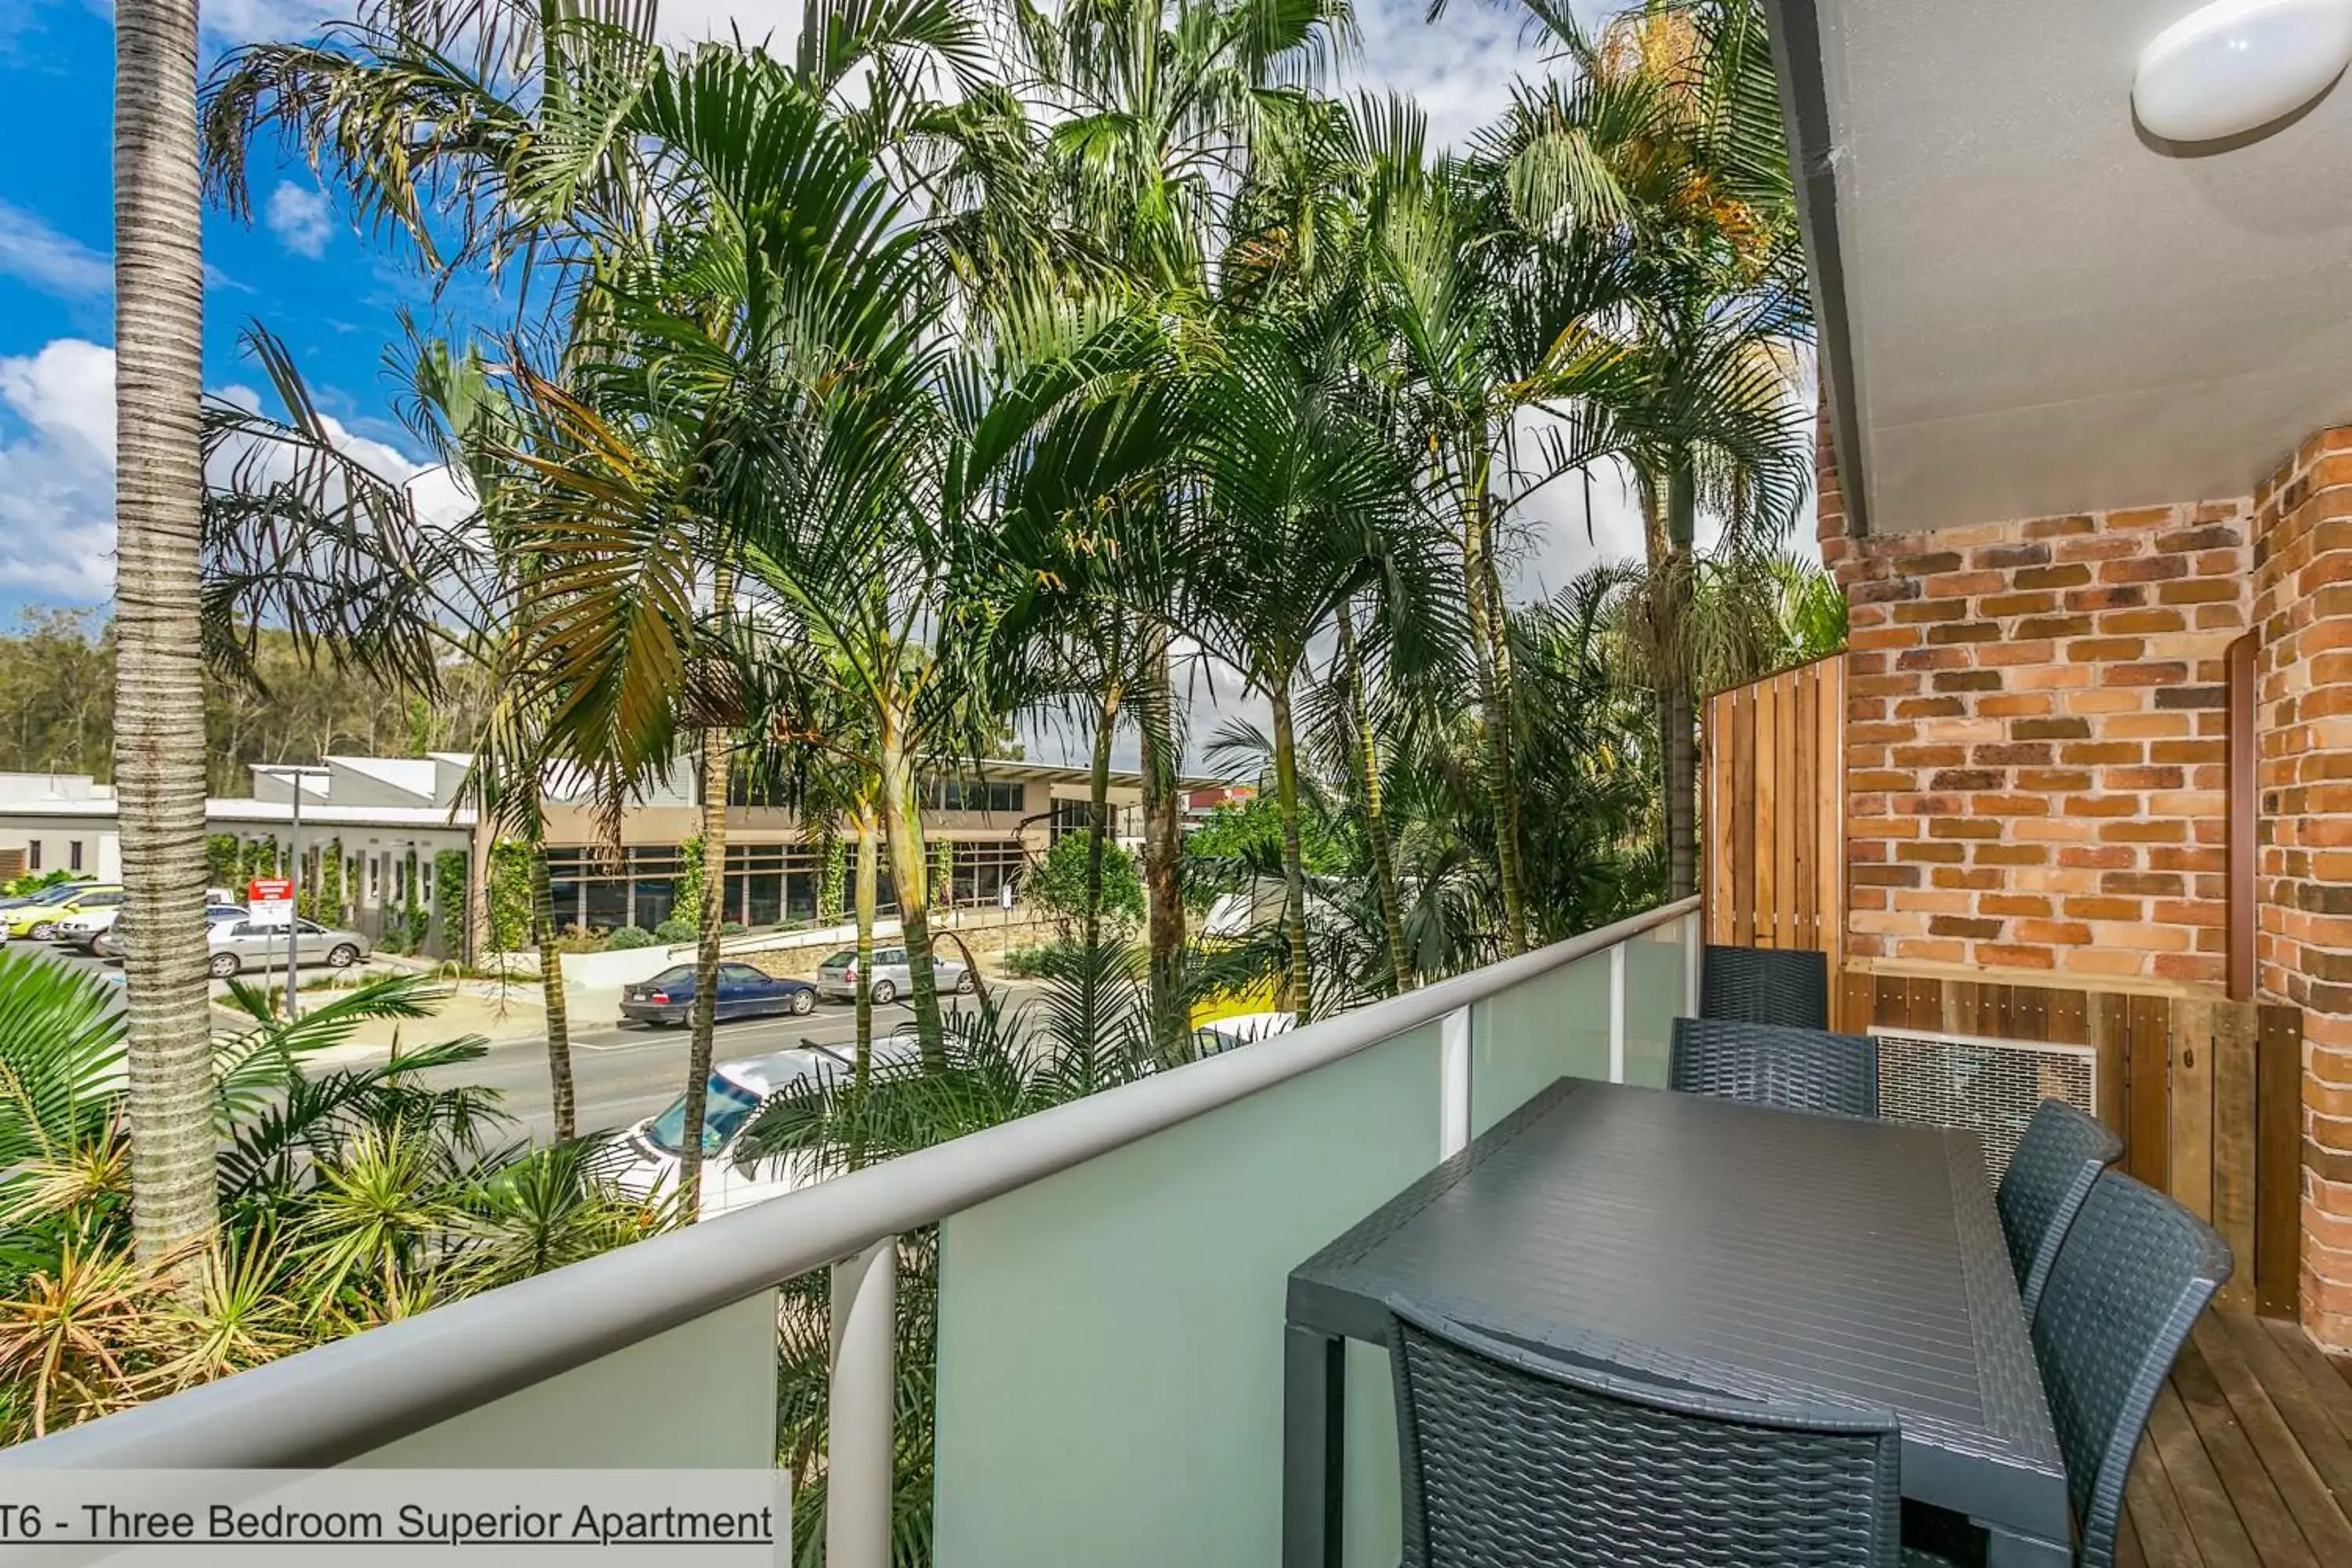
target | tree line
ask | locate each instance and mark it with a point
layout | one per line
(57, 706)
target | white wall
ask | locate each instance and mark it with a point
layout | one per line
(101, 851)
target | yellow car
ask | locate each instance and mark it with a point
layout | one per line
(40, 921)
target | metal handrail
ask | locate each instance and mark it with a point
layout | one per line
(349, 1397)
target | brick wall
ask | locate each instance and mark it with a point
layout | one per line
(2035, 745)
(2303, 606)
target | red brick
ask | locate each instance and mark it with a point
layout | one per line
(2200, 591)
(2158, 672)
(2144, 569)
(2057, 527)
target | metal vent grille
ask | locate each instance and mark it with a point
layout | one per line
(1988, 1086)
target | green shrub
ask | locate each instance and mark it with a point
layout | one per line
(453, 896)
(1058, 888)
(831, 888)
(579, 938)
(628, 937)
(509, 895)
(221, 859)
(674, 930)
(732, 928)
(1033, 962)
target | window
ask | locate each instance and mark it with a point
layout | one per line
(73, 854)
(33, 855)
(972, 794)
(725, 1108)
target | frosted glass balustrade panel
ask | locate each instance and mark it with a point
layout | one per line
(1653, 999)
(1110, 1338)
(1554, 1027)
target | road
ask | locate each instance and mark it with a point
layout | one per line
(621, 1073)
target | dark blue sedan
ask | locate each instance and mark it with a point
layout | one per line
(743, 992)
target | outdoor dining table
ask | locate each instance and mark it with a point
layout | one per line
(1759, 1251)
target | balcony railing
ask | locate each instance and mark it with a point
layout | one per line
(1111, 1295)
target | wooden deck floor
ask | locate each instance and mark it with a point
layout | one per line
(2248, 1458)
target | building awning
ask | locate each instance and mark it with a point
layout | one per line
(2028, 306)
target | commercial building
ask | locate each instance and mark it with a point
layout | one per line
(379, 836)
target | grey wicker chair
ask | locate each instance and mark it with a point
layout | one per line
(2131, 1277)
(1787, 986)
(2060, 1156)
(1512, 1456)
(1799, 1069)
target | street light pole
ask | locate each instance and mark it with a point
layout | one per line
(293, 774)
(294, 909)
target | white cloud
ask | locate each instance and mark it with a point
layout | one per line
(32, 252)
(299, 217)
(57, 472)
(57, 478)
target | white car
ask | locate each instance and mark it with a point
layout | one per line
(735, 1090)
(836, 977)
(87, 930)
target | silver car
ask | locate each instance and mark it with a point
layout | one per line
(836, 977)
(239, 945)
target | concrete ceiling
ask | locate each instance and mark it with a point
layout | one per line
(2039, 309)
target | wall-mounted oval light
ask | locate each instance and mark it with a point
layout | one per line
(2237, 64)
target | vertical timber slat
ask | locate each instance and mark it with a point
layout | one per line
(2233, 1147)
(1743, 818)
(2278, 1162)
(1804, 815)
(2147, 1138)
(2191, 1093)
(1768, 814)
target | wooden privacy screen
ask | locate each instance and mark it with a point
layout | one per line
(1772, 775)
(2207, 1097)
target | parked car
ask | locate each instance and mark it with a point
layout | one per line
(82, 931)
(743, 992)
(108, 944)
(39, 920)
(238, 945)
(55, 892)
(733, 1092)
(836, 977)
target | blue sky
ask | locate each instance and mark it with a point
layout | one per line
(300, 269)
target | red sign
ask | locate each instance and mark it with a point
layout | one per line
(270, 901)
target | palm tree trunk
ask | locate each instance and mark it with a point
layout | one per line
(1376, 827)
(865, 880)
(1294, 866)
(902, 824)
(159, 704)
(1494, 707)
(1163, 848)
(561, 1093)
(1098, 813)
(703, 1015)
(1681, 716)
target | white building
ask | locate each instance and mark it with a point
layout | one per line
(377, 834)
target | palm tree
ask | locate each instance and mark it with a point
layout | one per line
(786, 399)
(1490, 332)
(1664, 147)
(159, 704)
(1111, 160)
(1305, 504)
(300, 534)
